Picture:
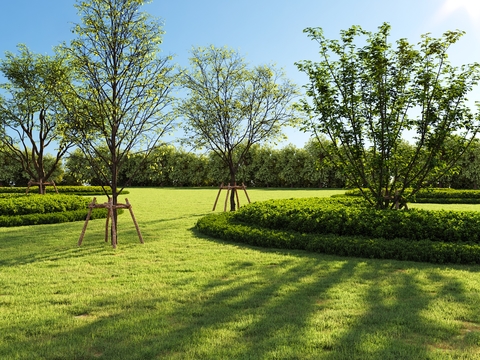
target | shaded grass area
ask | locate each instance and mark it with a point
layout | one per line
(182, 295)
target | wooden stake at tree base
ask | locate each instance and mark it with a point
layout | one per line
(41, 185)
(109, 206)
(233, 188)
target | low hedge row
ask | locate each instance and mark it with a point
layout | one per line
(342, 216)
(22, 209)
(224, 226)
(76, 190)
(437, 196)
(51, 218)
(41, 204)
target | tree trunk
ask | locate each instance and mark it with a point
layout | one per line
(233, 192)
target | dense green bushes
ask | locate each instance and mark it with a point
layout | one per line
(346, 227)
(21, 209)
(437, 196)
(76, 190)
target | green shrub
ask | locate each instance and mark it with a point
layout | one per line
(225, 227)
(22, 209)
(436, 196)
(344, 216)
(74, 190)
(51, 218)
(40, 204)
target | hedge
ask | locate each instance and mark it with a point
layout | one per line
(76, 190)
(51, 218)
(223, 226)
(343, 217)
(22, 209)
(437, 196)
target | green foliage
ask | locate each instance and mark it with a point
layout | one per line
(32, 112)
(438, 196)
(369, 96)
(230, 107)
(224, 227)
(73, 190)
(346, 226)
(21, 209)
(50, 218)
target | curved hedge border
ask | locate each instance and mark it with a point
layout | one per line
(223, 226)
(281, 232)
(349, 217)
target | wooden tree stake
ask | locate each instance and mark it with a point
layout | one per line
(229, 187)
(109, 206)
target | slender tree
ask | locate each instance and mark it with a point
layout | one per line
(368, 97)
(124, 94)
(230, 107)
(32, 114)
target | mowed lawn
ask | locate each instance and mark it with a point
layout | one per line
(182, 295)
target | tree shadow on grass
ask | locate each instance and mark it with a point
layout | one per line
(292, 305)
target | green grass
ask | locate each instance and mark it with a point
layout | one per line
(185, 296)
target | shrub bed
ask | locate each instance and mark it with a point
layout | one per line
(22, 209)
(437, 196)
(346, 217)
(75, 190)
(51, 218)
(224, 226)
(346, 226)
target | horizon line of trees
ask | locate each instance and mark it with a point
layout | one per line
(264, 166)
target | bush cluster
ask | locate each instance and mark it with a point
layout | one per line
(75, 190)
(346, 226)
(223, 226)
(437, 196)
(21, 209)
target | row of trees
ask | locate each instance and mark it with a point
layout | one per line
(263, 166)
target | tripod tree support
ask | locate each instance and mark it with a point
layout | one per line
(41, 185)
(229, 187)
(109, 206)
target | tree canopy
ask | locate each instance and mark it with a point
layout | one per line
(229, 106)
(32, 111)
(369, 97)
(122, 101)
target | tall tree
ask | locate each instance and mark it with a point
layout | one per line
(230, 106)
(31, 111)
(368, 97)
(125, 86)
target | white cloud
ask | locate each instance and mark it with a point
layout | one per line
(469, 7)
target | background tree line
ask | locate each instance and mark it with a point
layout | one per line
(264, 166)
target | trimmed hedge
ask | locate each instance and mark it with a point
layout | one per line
(51, 218)
(22, 209)
(74, 190)
(346, 226)
(352, 217)
(223, 226)
(40, 204)
(437, 196)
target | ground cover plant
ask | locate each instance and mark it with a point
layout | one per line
(183, 295)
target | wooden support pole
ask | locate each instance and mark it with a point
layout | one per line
(226, 198)
(134, 221)
(218, 195)
(90, 209)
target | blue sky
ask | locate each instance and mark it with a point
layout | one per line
(263, 31)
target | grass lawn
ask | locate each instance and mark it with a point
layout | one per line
(185, 296)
